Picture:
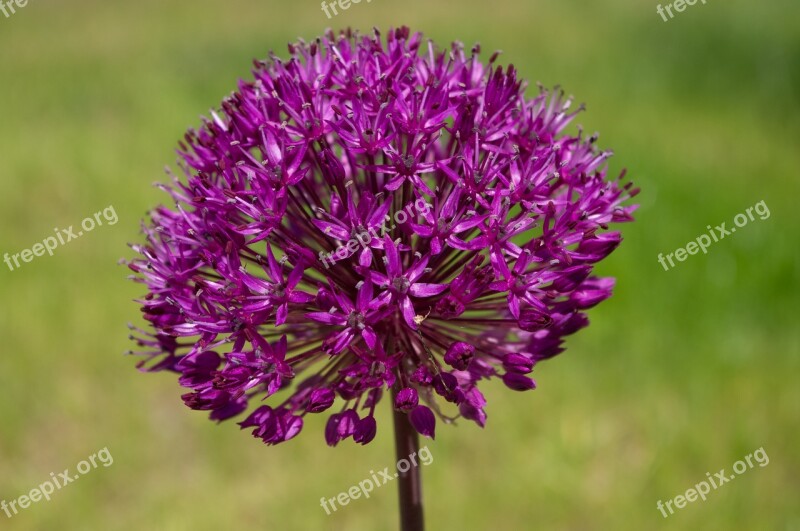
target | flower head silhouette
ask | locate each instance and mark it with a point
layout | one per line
(373, 215)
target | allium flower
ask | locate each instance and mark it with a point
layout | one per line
(464, 225)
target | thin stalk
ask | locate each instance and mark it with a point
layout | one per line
(410, 485)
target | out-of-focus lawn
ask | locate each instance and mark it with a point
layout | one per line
(681, 373)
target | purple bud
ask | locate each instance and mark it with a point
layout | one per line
(257, 417)
(518, 382)
(231, 409)
(472, 408)
(599, 246)
(332, 166)
(232, 378)
(347, 424)
(206, 400)
(373, 397)
(518, 363)
(470, 412)
(407, 399)
(266, 422)
(292, 425)
(348, 389)
(574, 322)
(532, 320)
(444, 383)
(269, 430)
(459, 355)
(423, 420)
(450, 307)
(422, 376)
(571, 278)
(365, 430)
(593, 292)
(197, 368)
(320, 400)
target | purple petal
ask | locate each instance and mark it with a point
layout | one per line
(426, 290)
(280, 316)
(332, 430)
(392, 257)
(364, 296)
(327, 318)
(408, 312)
(370, 337)
(423, 420)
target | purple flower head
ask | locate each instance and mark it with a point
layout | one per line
(374, 214)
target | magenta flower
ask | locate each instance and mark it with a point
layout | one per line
(355, 319)
(468, 222)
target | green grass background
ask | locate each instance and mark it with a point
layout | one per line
(681, 373)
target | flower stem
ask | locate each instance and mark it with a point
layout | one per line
(410, 485)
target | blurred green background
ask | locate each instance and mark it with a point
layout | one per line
(682, 372)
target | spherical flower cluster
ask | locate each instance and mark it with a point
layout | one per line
(373, 216)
